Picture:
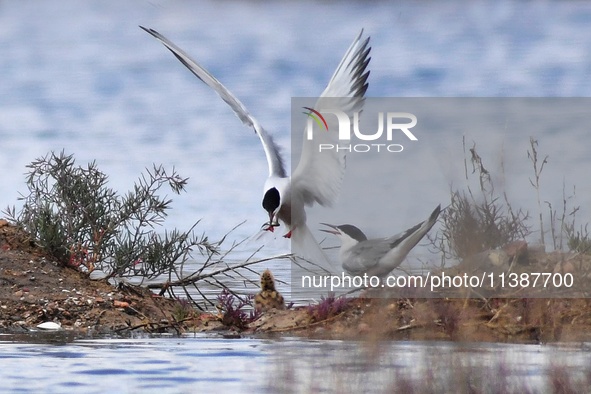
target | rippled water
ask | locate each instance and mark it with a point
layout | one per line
(99, 87)
(191, 364)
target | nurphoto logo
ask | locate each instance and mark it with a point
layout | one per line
(389, 124)
(316, 116)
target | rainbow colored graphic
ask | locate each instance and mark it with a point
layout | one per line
(317, 116)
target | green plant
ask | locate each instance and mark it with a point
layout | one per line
(182, 309)
(578, 240)
(80, 221)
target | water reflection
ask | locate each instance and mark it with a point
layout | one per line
(195, 363)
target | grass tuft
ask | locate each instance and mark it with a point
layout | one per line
(478, 221)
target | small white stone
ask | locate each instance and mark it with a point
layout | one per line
(50, 326)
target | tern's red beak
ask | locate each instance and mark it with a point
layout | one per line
(271, 225)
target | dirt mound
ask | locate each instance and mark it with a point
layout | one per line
(35, 289)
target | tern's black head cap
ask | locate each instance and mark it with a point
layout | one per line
(352, 232)
(271, 200)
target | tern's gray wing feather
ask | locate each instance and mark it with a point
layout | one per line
(397, 239)
(417, 230)
(318, 177)
(365, 255)
(403, 243)
(349, 80)
(274, 159)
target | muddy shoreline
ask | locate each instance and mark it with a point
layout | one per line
(35, 290)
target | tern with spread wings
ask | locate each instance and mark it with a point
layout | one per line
(318, 177)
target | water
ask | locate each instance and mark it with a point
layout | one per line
(81, 76)
(196, 364)
(101, 88)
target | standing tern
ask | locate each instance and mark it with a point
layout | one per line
(318, 177)
(379, 256)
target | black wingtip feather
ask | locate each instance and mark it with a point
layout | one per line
(435, 213)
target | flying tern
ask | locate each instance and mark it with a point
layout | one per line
(379, 256)
(318, 177)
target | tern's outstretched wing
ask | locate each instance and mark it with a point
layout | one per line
(274, 159)
(380, 256)
(350, 78)
(418, 230)
(319, 175)
(403, 243)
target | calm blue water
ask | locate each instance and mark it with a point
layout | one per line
(196, 364)
(99, 87)
(81, 76)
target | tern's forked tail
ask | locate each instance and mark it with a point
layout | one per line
(304, 246)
